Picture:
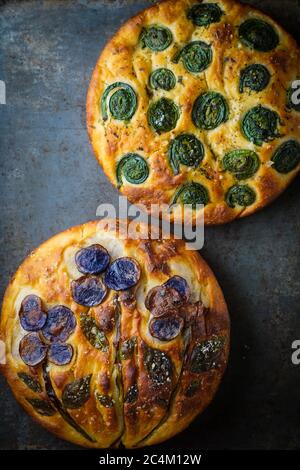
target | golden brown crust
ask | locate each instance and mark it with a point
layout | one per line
(123, 59)
(48, 272)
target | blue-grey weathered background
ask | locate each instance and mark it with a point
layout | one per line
(50, 180)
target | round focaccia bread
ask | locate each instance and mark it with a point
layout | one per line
(111, 340)
(191, 103)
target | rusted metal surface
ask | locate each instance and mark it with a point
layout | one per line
(50, 180)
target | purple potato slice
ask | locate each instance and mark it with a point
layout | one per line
(88, 291)
(92, 260)
(179, 283)
(60, 354)
(122, 274)
(60, 324)
(163, 300)
(32, 350)
(150, 298)
(166, 328)
(32, 317)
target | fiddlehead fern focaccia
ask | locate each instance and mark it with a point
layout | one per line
(240, 195)
(260, 124)
(293, 99)
(254, 77)
(186, 150)
(156, 38)
(241, 163)
(143, 351)
(163, 79)
(191, 194)
(286, 157)
(120, 100)
(205, 14)
(133, 168)
(205, 93)
(195, 56)
(210, 110)
(163, 115)
(259, 35)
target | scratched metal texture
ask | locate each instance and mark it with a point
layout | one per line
(51, 181)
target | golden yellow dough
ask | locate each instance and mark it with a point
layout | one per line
(158, 409)
(126, 59)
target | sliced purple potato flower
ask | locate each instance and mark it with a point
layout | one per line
(166, 328)
(93, 259)
(60, 324)
(32, 350)
(60, 353)
(88, 291)
(32, 317)
(179, 283)
(122, 274)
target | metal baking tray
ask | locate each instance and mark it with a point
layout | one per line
(50, 180)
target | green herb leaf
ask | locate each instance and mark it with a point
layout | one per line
(193, 388)
(92, 332)
(42, 407)
(59, 407)
(131, 395)
(30, 381)
(77, 393)
(158, 365)
(127, 348)
(205, 355)
(105, 400)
